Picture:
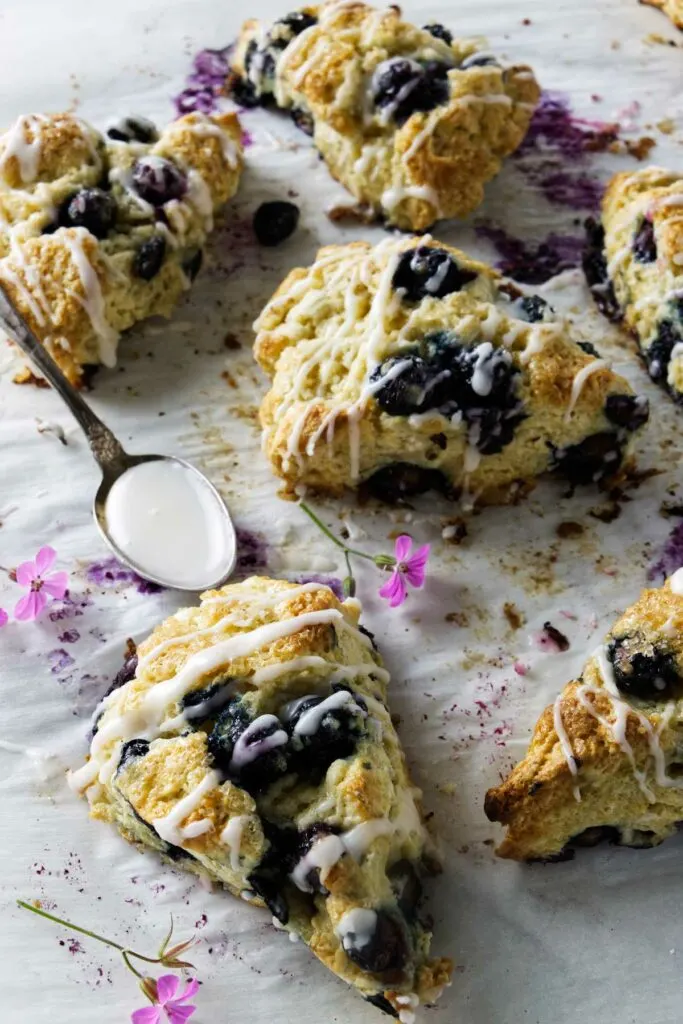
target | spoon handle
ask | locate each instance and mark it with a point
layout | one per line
(107, 451)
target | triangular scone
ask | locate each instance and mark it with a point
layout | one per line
(97, 233)
(410, 120)
(605, 759)
(251, 742)
(635, 270)
(411, 367)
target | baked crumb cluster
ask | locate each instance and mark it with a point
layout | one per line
(410, 367)
(410, 120)
(605, 760)
(98, 233)
(634, 266)
(248, 739)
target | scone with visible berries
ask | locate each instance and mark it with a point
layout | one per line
(410, 120)
(634, 265)
(410, 367)
(249, 740)
(672, 8)
(605, 759)
(98, 233)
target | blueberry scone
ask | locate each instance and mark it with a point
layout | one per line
(98, 233)
(672, 8)
(410, 367)
(249, 741)
(634, 265)
(410, 120)
(605, 759)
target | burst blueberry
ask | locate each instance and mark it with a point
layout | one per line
(645, 243)
(401, 481)
(590, 461)
(428, 271)
(439, 31)
(252, 751)
(628, 411)
(405, 87)
(385, 949)
(131, 751)
(642, 669)
(149, 257)
(133, 129)
(534, 308)
(158, 181)
(89, 208)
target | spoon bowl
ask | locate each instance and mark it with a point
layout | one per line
(137, 519)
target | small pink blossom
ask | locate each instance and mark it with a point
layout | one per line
(409, 569)
(176, 1008)
(33, 576)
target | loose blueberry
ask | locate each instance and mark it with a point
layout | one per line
(405, 87)
(149, 257)
(249, 751)
(641, 669)
(132, 750)
(382, 1003)
(589, 348)
(400, 481)
(275, 222)
(133, 129)
(158, 181)
(645, 243)
(593, 459)
(534, 308)
(439, 32)
(628, 411)
(193, 264)
(89, 208)
(479, 60)
(386, 949)
(429, 272)
(658, 354)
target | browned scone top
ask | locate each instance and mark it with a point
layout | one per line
(604, 761)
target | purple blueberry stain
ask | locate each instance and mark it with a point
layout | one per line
(205, 83)
(252, 551)
(110, 573)
(533, 262)
(333, 582)
(69, 636)
(69, 607)
(59, 660)
(670, 558)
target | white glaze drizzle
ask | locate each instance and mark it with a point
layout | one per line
(579, 382)
(356, 928)
(231, 836)
(247, 748)
(393, 197)
(168, 827)
(309, 722)
(565, 744)
(16, 144)
(676, 582)
(92, 300)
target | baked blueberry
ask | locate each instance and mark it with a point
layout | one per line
(132, 750)
(628, 411)
(305, 878)
(323, 729)
(439, 32)
(158, 181)
(199, 705)
(149, 257)
(400, 481)
(642, 669)
(384, 948)
(269, 879)
(242, 91)
(658, 354)
(591, 460)
(479, 60)
(429, 272)
(193, 264)
(382, 1003)
(401, 87)
(251, 751)
(405, 389)
(645, 243)
(534, 308)
(274, 222)
(133, 129)
(594, 264)
(89, 208)
(297, 22)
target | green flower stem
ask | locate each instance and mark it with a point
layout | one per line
(335, 540)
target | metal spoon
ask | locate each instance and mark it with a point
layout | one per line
(108, 452)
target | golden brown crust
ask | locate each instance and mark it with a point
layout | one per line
(410, 171)
(623, 747)
(78, 291)
(138, 783)
(327, 330)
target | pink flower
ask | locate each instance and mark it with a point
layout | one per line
(167, 1000)
(3, 617)
(32, 575)
(409, 569)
